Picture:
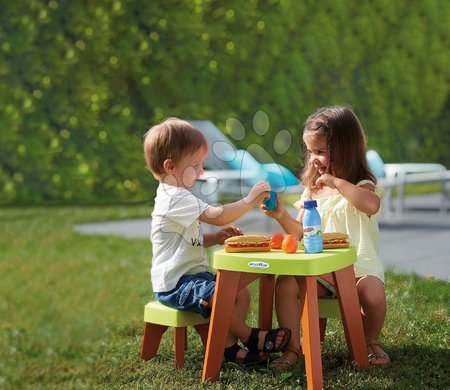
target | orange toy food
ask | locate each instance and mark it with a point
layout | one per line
(276, 241)
(248, 243)
(289, 244)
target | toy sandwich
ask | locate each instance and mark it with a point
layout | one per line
(248, 243)
(335, 240)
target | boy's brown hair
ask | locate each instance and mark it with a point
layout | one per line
(346, 144)
(171, 139)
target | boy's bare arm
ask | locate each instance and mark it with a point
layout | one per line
(222, 215)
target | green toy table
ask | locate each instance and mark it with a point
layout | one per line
(279, 263)
(236, 270)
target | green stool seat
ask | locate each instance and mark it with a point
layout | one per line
(156, 313)
(329, 308)
(158, 318)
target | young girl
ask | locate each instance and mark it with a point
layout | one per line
(336, 175)
(175, 152)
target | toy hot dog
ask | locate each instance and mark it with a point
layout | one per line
(335, 240)
(247, 243)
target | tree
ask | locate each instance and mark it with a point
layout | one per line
(82, 81)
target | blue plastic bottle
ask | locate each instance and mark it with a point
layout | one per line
(312, 228)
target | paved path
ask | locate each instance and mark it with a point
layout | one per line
(418, 241)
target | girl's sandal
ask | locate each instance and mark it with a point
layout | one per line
(375, 351)
(269, 340)
(282, 363)
(250, 359)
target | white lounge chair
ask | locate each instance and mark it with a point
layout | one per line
(229, 170)
(399, 174)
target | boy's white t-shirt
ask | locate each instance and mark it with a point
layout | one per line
(176, 236)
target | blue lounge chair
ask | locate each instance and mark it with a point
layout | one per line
(229, 170)
(397, 175)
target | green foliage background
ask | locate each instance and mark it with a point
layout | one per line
(81, 82)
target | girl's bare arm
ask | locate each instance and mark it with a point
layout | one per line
(289, 224)
(362, 197)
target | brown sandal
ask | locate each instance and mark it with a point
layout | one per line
(376, 352)
(282, 363)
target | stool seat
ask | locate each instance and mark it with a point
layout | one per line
(158, 317)
(157, 313)
(329, 308)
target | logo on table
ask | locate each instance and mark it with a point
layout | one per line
(258, 264)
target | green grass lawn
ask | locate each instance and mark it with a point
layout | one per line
(71, 309)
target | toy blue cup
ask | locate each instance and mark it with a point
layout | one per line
(271, 203)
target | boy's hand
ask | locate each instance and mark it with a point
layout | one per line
(229, 231)
(258, 192)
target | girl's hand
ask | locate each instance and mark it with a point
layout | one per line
(227, 232)
(279, 210)
(326, 180)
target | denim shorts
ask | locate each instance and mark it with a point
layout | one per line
(189, 292)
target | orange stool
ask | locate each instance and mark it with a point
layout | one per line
(158, 318)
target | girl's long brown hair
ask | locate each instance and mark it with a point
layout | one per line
(346, 144)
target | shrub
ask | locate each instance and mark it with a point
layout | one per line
(82, 81)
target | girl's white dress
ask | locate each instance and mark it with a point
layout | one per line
(339, 215)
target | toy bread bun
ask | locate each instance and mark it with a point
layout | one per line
(247, 243)
(335, 240)
(247, 249)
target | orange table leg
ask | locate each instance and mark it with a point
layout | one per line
(310, 331)
(266, 290)
(323, 328)
(351, 315)
(227, 283)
